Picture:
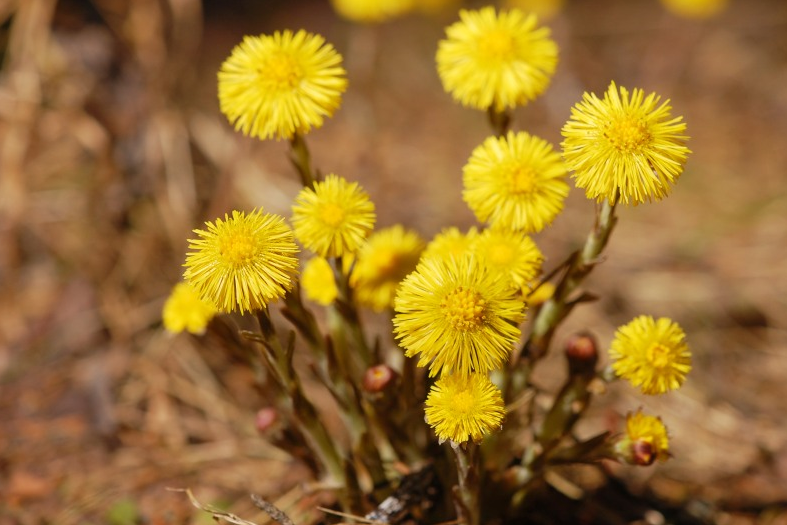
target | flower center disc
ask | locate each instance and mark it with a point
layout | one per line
(521, 180)
(463, 309)
(659, 356)
(496, 45)
(627, 135)
(238, 250)
(463, 402)
(500, 254)
(283, 72)
(332, 215)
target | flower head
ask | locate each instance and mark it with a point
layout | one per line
(381, 264)
(511, 254)
(184, 309)
(334, 218)
(372, 11)
(652, 354)
(318, 281)
(516, 182)
(645, 441)
(458, 315)
(461, 408)
(450, 242)
(496, 60)
(625, 147)
(243, 262)
(281, 84)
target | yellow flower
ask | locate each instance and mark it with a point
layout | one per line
(695, 8)
(372, 11)
(539, 293)
(499, 61)
(651, 354)
(381, 264)
(458, 315)
(243, 262)
(450, 242)
(645, 441)
(512, 254)
(334, 218)
(515, 182)
(281, 84)
(184, 309)
(461, 408)
(625, 146)
(318, 281)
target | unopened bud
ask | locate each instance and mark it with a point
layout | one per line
(582, 354)
(266, 418)
(378, 378)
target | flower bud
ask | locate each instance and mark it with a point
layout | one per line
(582, 354)
(378, 378)
(265, 419)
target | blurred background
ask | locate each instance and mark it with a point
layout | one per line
(112, 149)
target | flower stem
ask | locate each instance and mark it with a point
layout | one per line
(557, 307)
(466, 493)
(499, 120)
(279, 361)
(301, 159)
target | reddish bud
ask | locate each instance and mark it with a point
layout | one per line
(642, 453)
(266, 418)
(582, 354)
(378, 378)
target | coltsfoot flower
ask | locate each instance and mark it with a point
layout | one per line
(461, 408)
(451, 242)
(513, 254)
(372, 11)
(281, 84)
(458, 315)
(243, 262)
(496, 60)
(318, 281)
(626, 147)
(185, 310)
(334, 217)
(382, 262)
(516, 182)
(651, 354)
(645, 441)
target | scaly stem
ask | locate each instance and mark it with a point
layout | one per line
(279, 361)
(466, 494)
(557, 307)
(301, 159)
(499, 120)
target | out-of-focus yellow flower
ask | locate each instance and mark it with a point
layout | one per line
(281, 84)
(695, 8)
(645, 441)
(243, 262)
(516, 182)
(512, 254)
(318, 281)
(626, 147)
(381, 264)
(545, 9)
(539, 293)
(334, 217)
(450, 242)
(459, 315)
(372, 11)
(184, 309)
(496, 60)
(462, 408)
(651, 354)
